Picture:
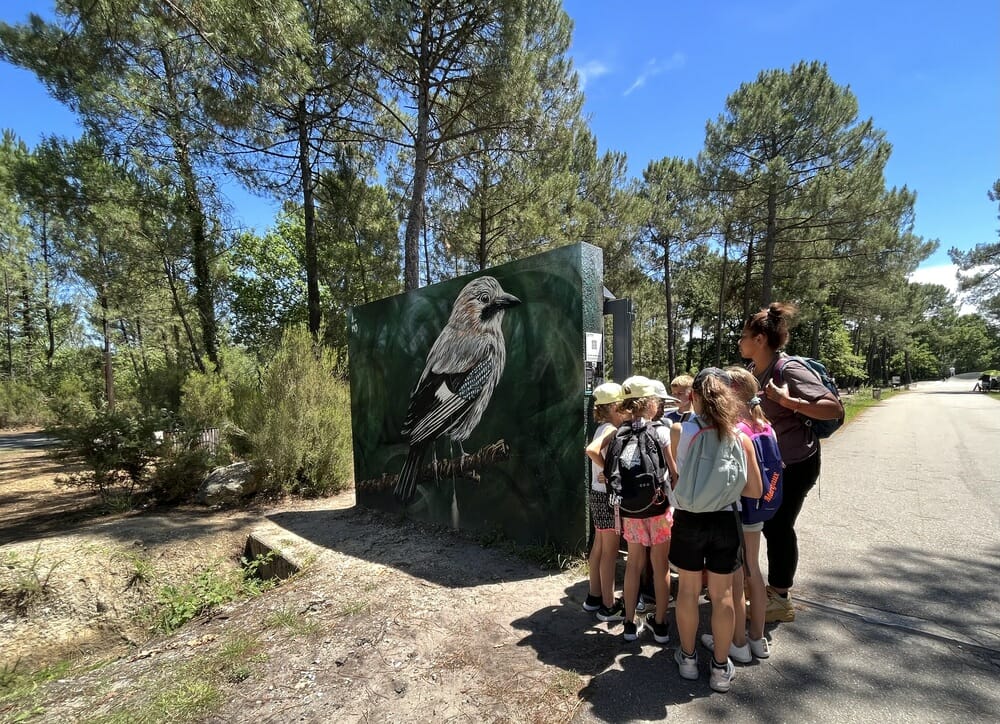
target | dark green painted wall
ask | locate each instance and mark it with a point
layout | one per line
(538, 493)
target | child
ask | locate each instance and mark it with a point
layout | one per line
(751, 420)
(661, 428)
(604, 551)
(710, 540)
(680, 388)
(652, 530)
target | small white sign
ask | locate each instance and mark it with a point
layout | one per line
(895, 379)
(594, 342)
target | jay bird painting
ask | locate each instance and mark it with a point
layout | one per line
(461, 372)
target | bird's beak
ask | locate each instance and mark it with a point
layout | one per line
(506, 300)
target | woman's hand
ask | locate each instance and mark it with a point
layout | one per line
(776, 393)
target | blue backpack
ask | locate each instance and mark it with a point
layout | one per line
(821, 428)
(765, 445)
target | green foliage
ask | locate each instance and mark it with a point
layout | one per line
(176, 605)
(292, 621)
(180, 470)
(18, 689)
(298, 428)
(206, 401)
(24, 582)
(22, 404)
(117, 450)
(980, 267)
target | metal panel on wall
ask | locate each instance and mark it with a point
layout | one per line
(468, 402)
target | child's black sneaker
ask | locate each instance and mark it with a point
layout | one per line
(615, 613)
(592, 603)
(631, 633)
(661, 632)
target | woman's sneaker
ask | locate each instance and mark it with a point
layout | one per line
(592, 603)
(760, 647)
(631, 632)
(779, 609)
(720, 679)
(615, 613)
(687, 666)
(661, 632)
(740, 654)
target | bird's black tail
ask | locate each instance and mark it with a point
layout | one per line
(406, 482)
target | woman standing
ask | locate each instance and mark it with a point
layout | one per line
(788, 399)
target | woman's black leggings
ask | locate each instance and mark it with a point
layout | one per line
(782, 543)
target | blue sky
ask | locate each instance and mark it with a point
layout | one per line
(655, 71)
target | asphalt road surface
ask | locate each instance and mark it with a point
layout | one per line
(898, 586)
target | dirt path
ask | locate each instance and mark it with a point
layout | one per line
(388, 621)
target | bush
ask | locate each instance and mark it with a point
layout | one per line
(180, 472)
(116, 448)
(298, 427)
(71, 402)
(205, 401)
(21, 404)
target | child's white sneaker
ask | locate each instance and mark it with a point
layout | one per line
(739, 654)
(760, 647)
(721, 679)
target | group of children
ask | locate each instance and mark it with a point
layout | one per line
(706, 547)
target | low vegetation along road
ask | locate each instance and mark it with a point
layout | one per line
(898, 611)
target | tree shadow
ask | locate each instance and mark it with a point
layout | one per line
(382, 538)
(15, 470)
(831, 664)
(958, 593)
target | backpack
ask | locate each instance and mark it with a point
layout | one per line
(636, 470)
(821, 428)
(713, 473)
(765, 445)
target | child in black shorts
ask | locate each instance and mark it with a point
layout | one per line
(709, 540)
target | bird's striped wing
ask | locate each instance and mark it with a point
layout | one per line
(442, 399)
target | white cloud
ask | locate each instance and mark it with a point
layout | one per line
(590, 70)
(943, 274)
(654, 68)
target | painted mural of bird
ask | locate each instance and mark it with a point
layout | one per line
(462, 370)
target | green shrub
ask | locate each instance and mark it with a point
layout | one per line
(211, 588)
(71, 402)
(180, 471)
(205, 401)
(21, 404)
(298, 428)
(117, 450)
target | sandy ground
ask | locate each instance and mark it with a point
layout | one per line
(388, 621)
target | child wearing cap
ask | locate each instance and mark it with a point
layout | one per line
(604, 550)
(661, 429)
(652, 531)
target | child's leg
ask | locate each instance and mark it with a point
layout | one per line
(758, 591)
(633, 569)
(739, 608)
(607, 540)
(720, 588)
(659, 554)
(686, 609)
(594, 565)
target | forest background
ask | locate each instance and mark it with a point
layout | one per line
(404, 143)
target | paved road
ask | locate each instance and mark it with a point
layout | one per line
(23, 440)
(898, 584)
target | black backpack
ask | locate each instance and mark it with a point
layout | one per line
(636, 471)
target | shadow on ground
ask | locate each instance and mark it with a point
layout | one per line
(382, 538)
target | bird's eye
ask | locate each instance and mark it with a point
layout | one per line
(484, 298)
